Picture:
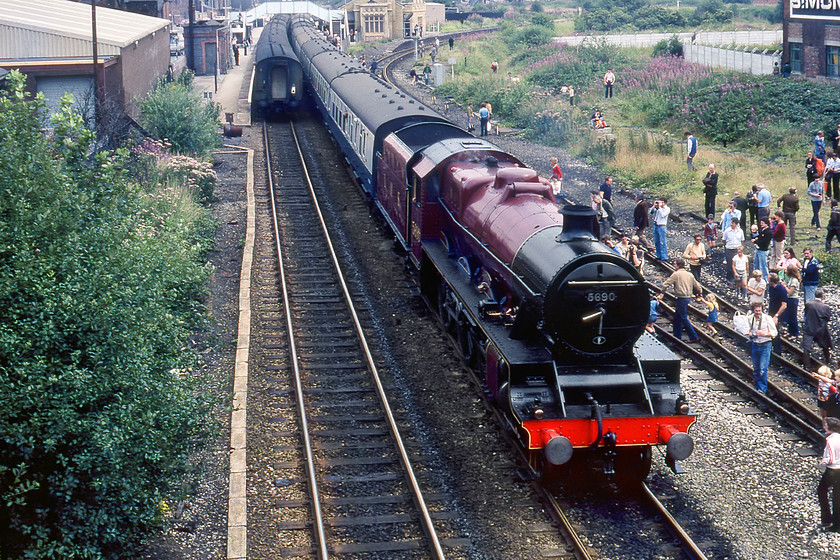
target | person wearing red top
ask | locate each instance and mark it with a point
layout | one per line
(779, 233)
(556, 176)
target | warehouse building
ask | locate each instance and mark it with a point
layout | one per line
(51, 42)
(811, 35)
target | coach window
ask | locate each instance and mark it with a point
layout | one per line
(795, 57)
(832, 61)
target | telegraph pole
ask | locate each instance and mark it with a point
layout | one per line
(190, 40)
(95, 64)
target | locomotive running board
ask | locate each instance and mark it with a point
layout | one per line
(518, 353)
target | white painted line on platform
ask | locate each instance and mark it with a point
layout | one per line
(237, 540)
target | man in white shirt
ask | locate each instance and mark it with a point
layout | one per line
(659, 218)
(609, 80)
(830, 513)
(733, 237)
(762, 332)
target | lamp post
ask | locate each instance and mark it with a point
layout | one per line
(218, 63)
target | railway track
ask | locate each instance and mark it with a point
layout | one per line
(791, 389)
(351, 476)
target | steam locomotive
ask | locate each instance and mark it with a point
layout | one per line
(553, 318)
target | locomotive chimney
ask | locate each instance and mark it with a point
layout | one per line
(579, 222)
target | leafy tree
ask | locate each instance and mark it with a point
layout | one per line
(712, 11)
(174, 111)
(537, 7)
(98, 292)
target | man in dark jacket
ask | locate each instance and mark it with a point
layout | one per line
(641, 219)
(815, 329)
(810, 274)
(777, 303)
(762, 248)
(833, 225)
(835, 140)
(789, 203)
(710, 189)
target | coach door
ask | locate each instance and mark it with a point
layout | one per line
(412, 211)
(279, 82)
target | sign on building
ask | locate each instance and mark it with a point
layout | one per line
(815, 9)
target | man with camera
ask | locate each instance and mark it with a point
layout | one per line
(659, 216)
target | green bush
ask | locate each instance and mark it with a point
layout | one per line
(712, 11)
(543, 20)
(578, 66)
(557, 128)
(100, 282)
(628, 18)
(174, 112)
(671, 46)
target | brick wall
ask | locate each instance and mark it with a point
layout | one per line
(142, 65)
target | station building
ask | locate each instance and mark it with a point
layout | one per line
(811, 36)
(51, 42)
(373, 20)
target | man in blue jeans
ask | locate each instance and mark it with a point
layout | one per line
(685, 286)
(762, 332)
(659, 217)
(762, 248)
(810, 274)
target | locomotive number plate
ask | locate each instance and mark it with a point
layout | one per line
(601, 296)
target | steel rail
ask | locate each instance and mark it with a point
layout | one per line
(317, 515)
(801, 418)
(788, 344)
(686, 542)
(428, 526)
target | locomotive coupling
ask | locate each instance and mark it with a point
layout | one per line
(680, 445)
(557, 448)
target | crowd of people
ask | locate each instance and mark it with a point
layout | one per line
(770, 282)
(769, 278)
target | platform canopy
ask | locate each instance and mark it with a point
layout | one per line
(268, 9)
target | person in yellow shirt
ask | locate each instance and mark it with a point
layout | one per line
(695, 254)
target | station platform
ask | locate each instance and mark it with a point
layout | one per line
(232, 89)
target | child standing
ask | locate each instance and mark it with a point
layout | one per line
(654, 311)
(712, 311)
(710, 232)
(826, 391)
(556, 176)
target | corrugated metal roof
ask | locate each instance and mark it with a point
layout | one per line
(32, 28)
